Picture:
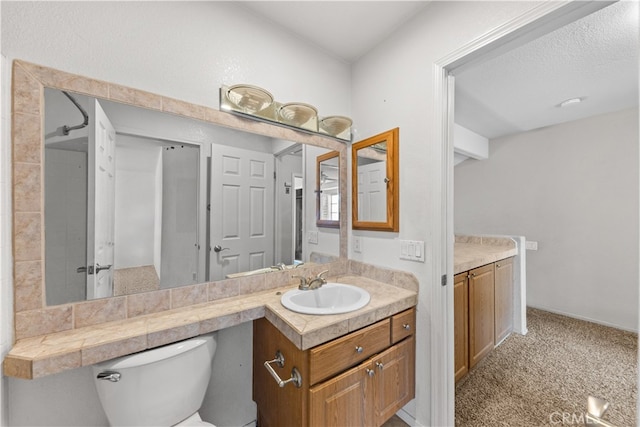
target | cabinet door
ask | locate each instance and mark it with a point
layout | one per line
(342, 401)
(394, 378)
(461, 325)
(481, 313)
(278, 406)
(503, 299)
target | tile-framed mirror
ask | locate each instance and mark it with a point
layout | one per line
(28, 134)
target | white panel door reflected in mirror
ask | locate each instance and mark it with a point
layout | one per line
(165, 213)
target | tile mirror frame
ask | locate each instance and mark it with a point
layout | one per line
(32, 317)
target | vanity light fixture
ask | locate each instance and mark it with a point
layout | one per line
(335, 125)
(249, 99)
(257, 103)
(298, 114)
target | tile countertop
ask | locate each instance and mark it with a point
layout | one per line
(471, 252)
(44, 355)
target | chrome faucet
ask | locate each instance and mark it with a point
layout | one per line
(279, 266)
(312, 282)
(318, 281)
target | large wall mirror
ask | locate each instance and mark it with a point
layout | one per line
(136, 192)
(375, 187)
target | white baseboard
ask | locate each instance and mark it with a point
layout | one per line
(407, 418)
(587, 319)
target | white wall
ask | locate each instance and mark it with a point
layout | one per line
(182, 50)
(573, 188)
(393, 86)
(390, 86)
(136, 206)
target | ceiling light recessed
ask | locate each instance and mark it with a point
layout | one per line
(571, 101)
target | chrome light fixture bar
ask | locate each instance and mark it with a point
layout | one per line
(257, 103)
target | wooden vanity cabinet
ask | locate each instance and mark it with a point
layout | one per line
(481, 313)
(360, 379)
(461, 324)
(370, 393)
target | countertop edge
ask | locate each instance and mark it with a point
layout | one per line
(480, 255)
(36, 357)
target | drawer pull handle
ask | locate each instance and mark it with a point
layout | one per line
(359, 349)
(296, 378)
(371, 372)
(406, 327)
(380, 365)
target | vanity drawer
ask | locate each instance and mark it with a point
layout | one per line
(402, 325)
(331, 358)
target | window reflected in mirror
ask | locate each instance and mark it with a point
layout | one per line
(328, 190)
(375, 182)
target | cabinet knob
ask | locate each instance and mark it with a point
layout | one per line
(359, 349)
(370, 372)
(406, 326)
(380, 365)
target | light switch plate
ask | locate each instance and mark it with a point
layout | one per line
(312, 237)
(531, 245)
(412, 250)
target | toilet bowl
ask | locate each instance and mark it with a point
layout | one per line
(164, 386)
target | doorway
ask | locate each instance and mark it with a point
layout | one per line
(541, 20)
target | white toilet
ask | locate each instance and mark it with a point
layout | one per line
(164, 386)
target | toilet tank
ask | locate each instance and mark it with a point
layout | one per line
(157, 387)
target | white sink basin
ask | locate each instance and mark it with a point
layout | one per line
(331, 298)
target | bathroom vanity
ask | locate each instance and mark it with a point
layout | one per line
(391, 292)
(483, 294)
(361, 378)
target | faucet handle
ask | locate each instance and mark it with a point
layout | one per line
(319, 276)
(303, 282)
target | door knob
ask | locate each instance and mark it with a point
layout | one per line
(218, 248)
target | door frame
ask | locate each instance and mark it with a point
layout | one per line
(542, 19)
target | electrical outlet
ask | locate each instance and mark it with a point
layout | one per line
(357, 244)
(531, 245)
(312, 237)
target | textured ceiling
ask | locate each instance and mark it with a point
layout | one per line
(595, 57)
(345, 29)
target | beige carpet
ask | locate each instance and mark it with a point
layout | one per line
(545, 377)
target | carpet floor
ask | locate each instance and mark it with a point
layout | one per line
(545, 377)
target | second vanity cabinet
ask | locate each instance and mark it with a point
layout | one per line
(360, 379)
(483, 312)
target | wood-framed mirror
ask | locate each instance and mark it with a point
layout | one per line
(328, 190)
(375, 187)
